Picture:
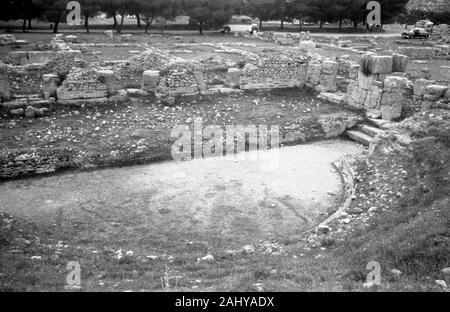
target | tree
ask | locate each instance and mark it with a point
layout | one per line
(53, 11)
(391, 9)
(262, 9)
(158, 8)
(89, 8)
(209, 12)
(20, 9)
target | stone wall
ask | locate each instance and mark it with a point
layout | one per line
(274, 71)
(19, 163)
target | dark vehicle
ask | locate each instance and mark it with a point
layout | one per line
(416, 33)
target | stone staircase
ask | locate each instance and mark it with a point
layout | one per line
(364, 133)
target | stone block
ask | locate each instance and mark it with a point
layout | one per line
(329, 67)
(353, 71)
(50, 82)
(400, 62)
(365, 81)
(150, 80)
(373, 99)
(233, 78)
(391, 106)
(18, 57)
(381, 64)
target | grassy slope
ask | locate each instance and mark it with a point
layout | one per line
(410, 186)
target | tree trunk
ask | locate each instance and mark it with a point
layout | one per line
(86, 23)
(29, 24)
(138, 19)
(301, 25)
(115, 20)
(282, 23)
(340, 23)
(119, 29)
(24, 25)
(321, 24)
(260, 23)
(200, 28)
(146, 24)
(56, 25)
(355, 23)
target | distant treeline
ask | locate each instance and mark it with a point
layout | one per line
(213, 13)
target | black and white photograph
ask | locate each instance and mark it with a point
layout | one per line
(205, 147)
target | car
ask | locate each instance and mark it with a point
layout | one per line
(416, 33)
(240, 23)
(425, 24)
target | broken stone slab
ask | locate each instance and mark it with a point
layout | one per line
(109, 34)
(150, 79)
(438, 91)
(50, 85)
(32, 112)
(136, 93)
(399, 62)
(86, 102)
(332, 97)
(126, 37)
(7, 39)
(21, 42)
(24, 103)
(17, 112)
(233, 78)
(395, 84)
(105, 76)
(64, 94)
(17, 57)
(286, 41)
(328, 83)
(71, 39)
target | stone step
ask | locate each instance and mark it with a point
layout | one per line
(371, 131)
(359, 137)
(380, 123)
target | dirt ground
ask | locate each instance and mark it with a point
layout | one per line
(172, 214)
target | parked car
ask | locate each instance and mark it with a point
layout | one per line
(416, 33)
(425, 24)
(240, 24)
